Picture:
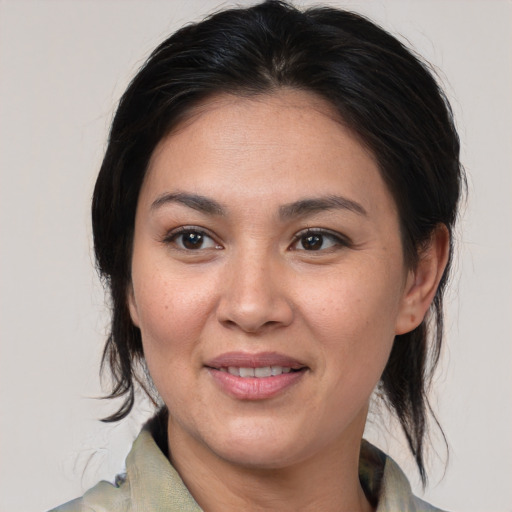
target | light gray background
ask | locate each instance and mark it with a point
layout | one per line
(63, 65)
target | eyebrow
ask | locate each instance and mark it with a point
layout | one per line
(309, 206)
(197, 202)
(299, 208)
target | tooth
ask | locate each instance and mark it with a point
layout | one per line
(234, 370)
(246, 372)
(264, 371)
(287, 370)
(225, 370)
(276, 370)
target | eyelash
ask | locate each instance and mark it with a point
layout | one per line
(335, 238)
(171, 238)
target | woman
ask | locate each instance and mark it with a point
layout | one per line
(273, 217)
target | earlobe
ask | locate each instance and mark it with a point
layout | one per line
(132, 307)
(423, 280)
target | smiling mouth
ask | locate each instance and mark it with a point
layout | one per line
(249, 383)
(258, 372)
(264, 375)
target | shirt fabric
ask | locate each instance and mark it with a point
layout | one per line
(152, 484)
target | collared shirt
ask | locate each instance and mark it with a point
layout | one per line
(152, 484)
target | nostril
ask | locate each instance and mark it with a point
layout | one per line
(252, 328)
(253, 305)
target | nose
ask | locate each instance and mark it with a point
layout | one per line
(254, 297)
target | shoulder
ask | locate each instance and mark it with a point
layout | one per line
(396, 493)
(150, 483)
(103, 497)
(382, 476)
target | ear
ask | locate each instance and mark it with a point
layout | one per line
(132, 306)
(423, 280)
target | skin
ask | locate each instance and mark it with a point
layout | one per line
(254, 285)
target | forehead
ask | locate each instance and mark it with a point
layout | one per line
(277, 145)
(272, 111)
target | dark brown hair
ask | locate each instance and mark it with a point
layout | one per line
(381, 91)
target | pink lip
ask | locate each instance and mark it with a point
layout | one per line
(254, 388)
(247, 360)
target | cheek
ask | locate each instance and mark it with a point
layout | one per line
(354, 303)
(170, 324)
(354, 320)
(171, 310)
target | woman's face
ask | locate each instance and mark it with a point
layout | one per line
(268, 279)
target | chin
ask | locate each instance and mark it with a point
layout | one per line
(263, 455)
(260, 445)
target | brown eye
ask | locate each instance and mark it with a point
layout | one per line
(191, 240)
(312, 242)
(319, 240)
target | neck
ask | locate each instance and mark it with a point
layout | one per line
(327, 481)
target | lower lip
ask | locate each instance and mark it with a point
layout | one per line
(255, 388)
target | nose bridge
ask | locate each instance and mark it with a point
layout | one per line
(253, 297)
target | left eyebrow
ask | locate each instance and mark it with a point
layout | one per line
(309, 206)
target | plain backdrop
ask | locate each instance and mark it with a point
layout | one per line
(63, 66)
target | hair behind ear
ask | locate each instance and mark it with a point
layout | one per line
(423, 280)
(413, 359)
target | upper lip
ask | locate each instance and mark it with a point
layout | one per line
(259, 360)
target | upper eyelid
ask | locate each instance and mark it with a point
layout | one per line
(340, 240)
(321, 231)
(173, 233)
(186, 229)
(171, 240)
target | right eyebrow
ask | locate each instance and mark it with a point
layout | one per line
(197, 202)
